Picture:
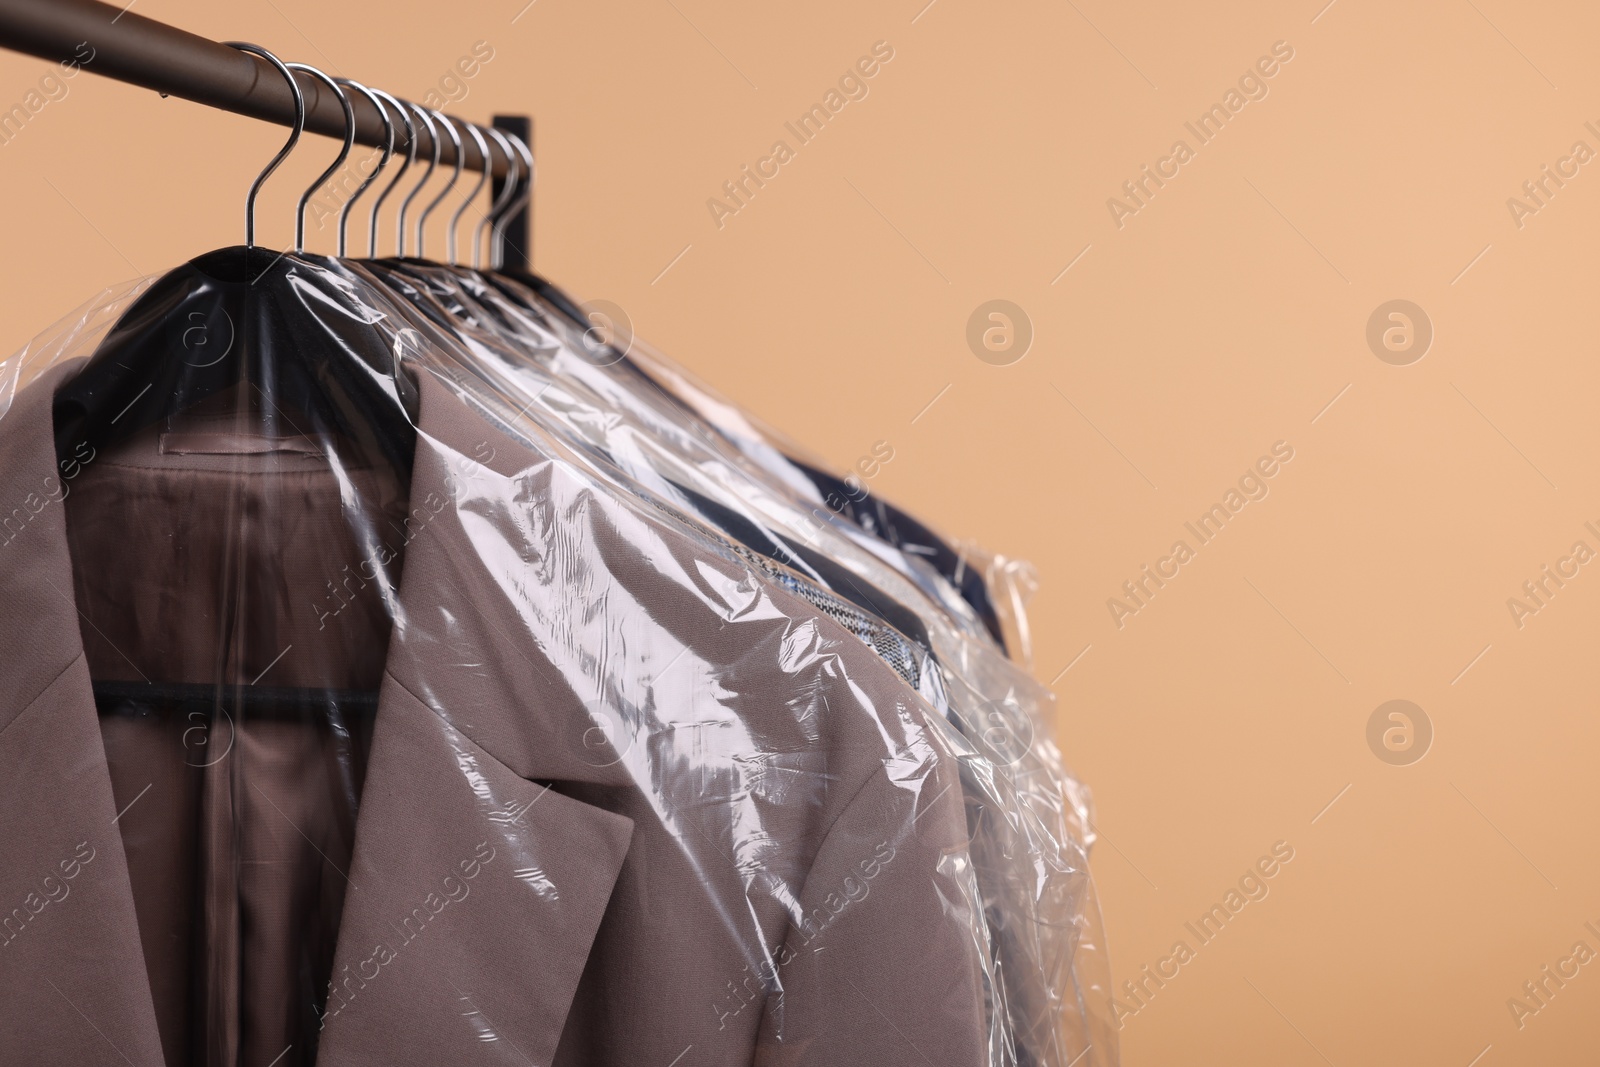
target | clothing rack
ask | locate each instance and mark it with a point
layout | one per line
(141, 51)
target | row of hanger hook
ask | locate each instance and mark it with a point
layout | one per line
(514, 194)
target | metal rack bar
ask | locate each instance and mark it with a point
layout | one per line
(131, 48)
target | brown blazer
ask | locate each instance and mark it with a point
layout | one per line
(624, 803)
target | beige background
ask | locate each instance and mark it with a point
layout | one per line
(1226, 315)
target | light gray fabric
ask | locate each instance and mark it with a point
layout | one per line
(760, 861)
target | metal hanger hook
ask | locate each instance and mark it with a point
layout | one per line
(507, 191)
(483, 176)
(519, 188)
(433, 163)
(455, 176)
(411, 157)
(523, 199)
(388, 150)
(333, 168)
(288, 146)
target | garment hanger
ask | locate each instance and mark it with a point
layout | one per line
(545, 290)
(405, 165)
(333, 168)
(433, 163)
(514, 195)
(523, 198)
(416, 280)
(507, 191)
(433, 287)
(483, 176)
(388, 150)
(290, 354)
(455, 176)
(242, 318)
(336, 263)
(288, 146)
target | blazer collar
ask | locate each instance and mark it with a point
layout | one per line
(475, 891)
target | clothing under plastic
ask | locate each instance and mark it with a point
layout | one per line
(515, 704)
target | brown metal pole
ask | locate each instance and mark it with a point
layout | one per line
(131, 48)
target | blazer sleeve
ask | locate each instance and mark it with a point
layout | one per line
(884, 964)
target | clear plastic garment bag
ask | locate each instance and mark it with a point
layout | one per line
(392, 673)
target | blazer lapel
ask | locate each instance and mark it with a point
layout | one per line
(72, 974)
(474, 896)
(475, 893)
